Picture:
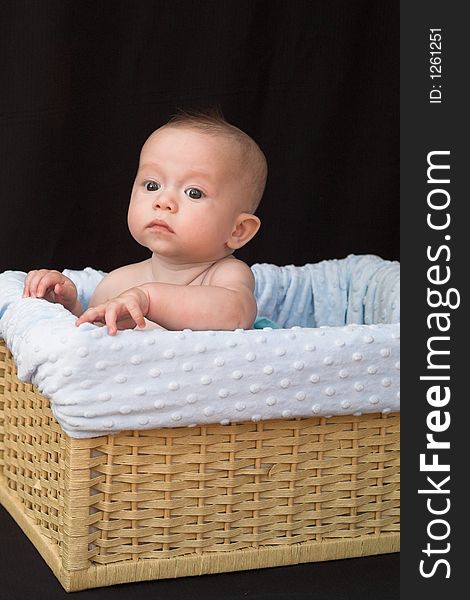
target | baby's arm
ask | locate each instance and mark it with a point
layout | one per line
(226, 302)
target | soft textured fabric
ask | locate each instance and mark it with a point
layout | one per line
(357, 289)
(99, 384)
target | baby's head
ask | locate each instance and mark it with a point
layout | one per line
(247, 161)
(202, 179)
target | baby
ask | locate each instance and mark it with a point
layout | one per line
(192, 205)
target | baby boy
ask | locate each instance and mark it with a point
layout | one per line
(192, 205)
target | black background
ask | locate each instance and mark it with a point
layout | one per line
(84, 83)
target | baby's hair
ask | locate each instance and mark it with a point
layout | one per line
(212, 122)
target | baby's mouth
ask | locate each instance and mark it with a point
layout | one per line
(160, 225)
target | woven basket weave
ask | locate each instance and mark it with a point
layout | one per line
(163, 503)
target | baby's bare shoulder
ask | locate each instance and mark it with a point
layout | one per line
(119, 280)
(230, 271)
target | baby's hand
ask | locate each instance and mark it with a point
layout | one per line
(126, 311)
(52, 286)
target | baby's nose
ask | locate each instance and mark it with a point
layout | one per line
(166, 201)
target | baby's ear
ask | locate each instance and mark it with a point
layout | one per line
(246, 226)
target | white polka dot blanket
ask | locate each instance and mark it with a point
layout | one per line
(337, 352)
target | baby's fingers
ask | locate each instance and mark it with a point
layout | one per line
(31, 282)
(136, 313)
(110, 317)
(97, 313)
(64, 292)
(48, 282)
(121, 311)
(38, 283)
(27, 282)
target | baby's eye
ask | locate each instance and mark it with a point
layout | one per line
(194, 193)
(152, 186)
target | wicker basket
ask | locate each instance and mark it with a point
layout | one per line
(145, 505)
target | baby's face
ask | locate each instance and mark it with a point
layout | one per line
(187, 194)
